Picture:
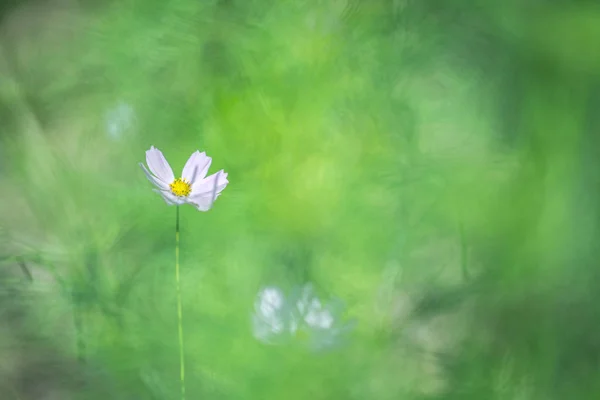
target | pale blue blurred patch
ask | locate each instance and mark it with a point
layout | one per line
(281, 319)
(120, 120)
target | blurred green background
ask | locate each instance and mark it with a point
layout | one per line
(413, 207)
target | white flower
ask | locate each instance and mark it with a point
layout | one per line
(194, 187)
(314, 314)
(271, 300)
(268, 320)
(317, 316)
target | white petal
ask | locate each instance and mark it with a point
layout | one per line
(154, 180)
(206, 186)
(169, 197)
(205, 193)
(202, 203)
(196, 167)
(158, 165)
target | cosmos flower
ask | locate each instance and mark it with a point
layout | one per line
(193, 187)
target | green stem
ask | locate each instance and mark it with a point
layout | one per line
(179, 309)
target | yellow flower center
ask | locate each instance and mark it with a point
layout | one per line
(180, 187)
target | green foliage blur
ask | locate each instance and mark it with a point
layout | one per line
(431, 167)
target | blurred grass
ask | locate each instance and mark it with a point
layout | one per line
(431, 164)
